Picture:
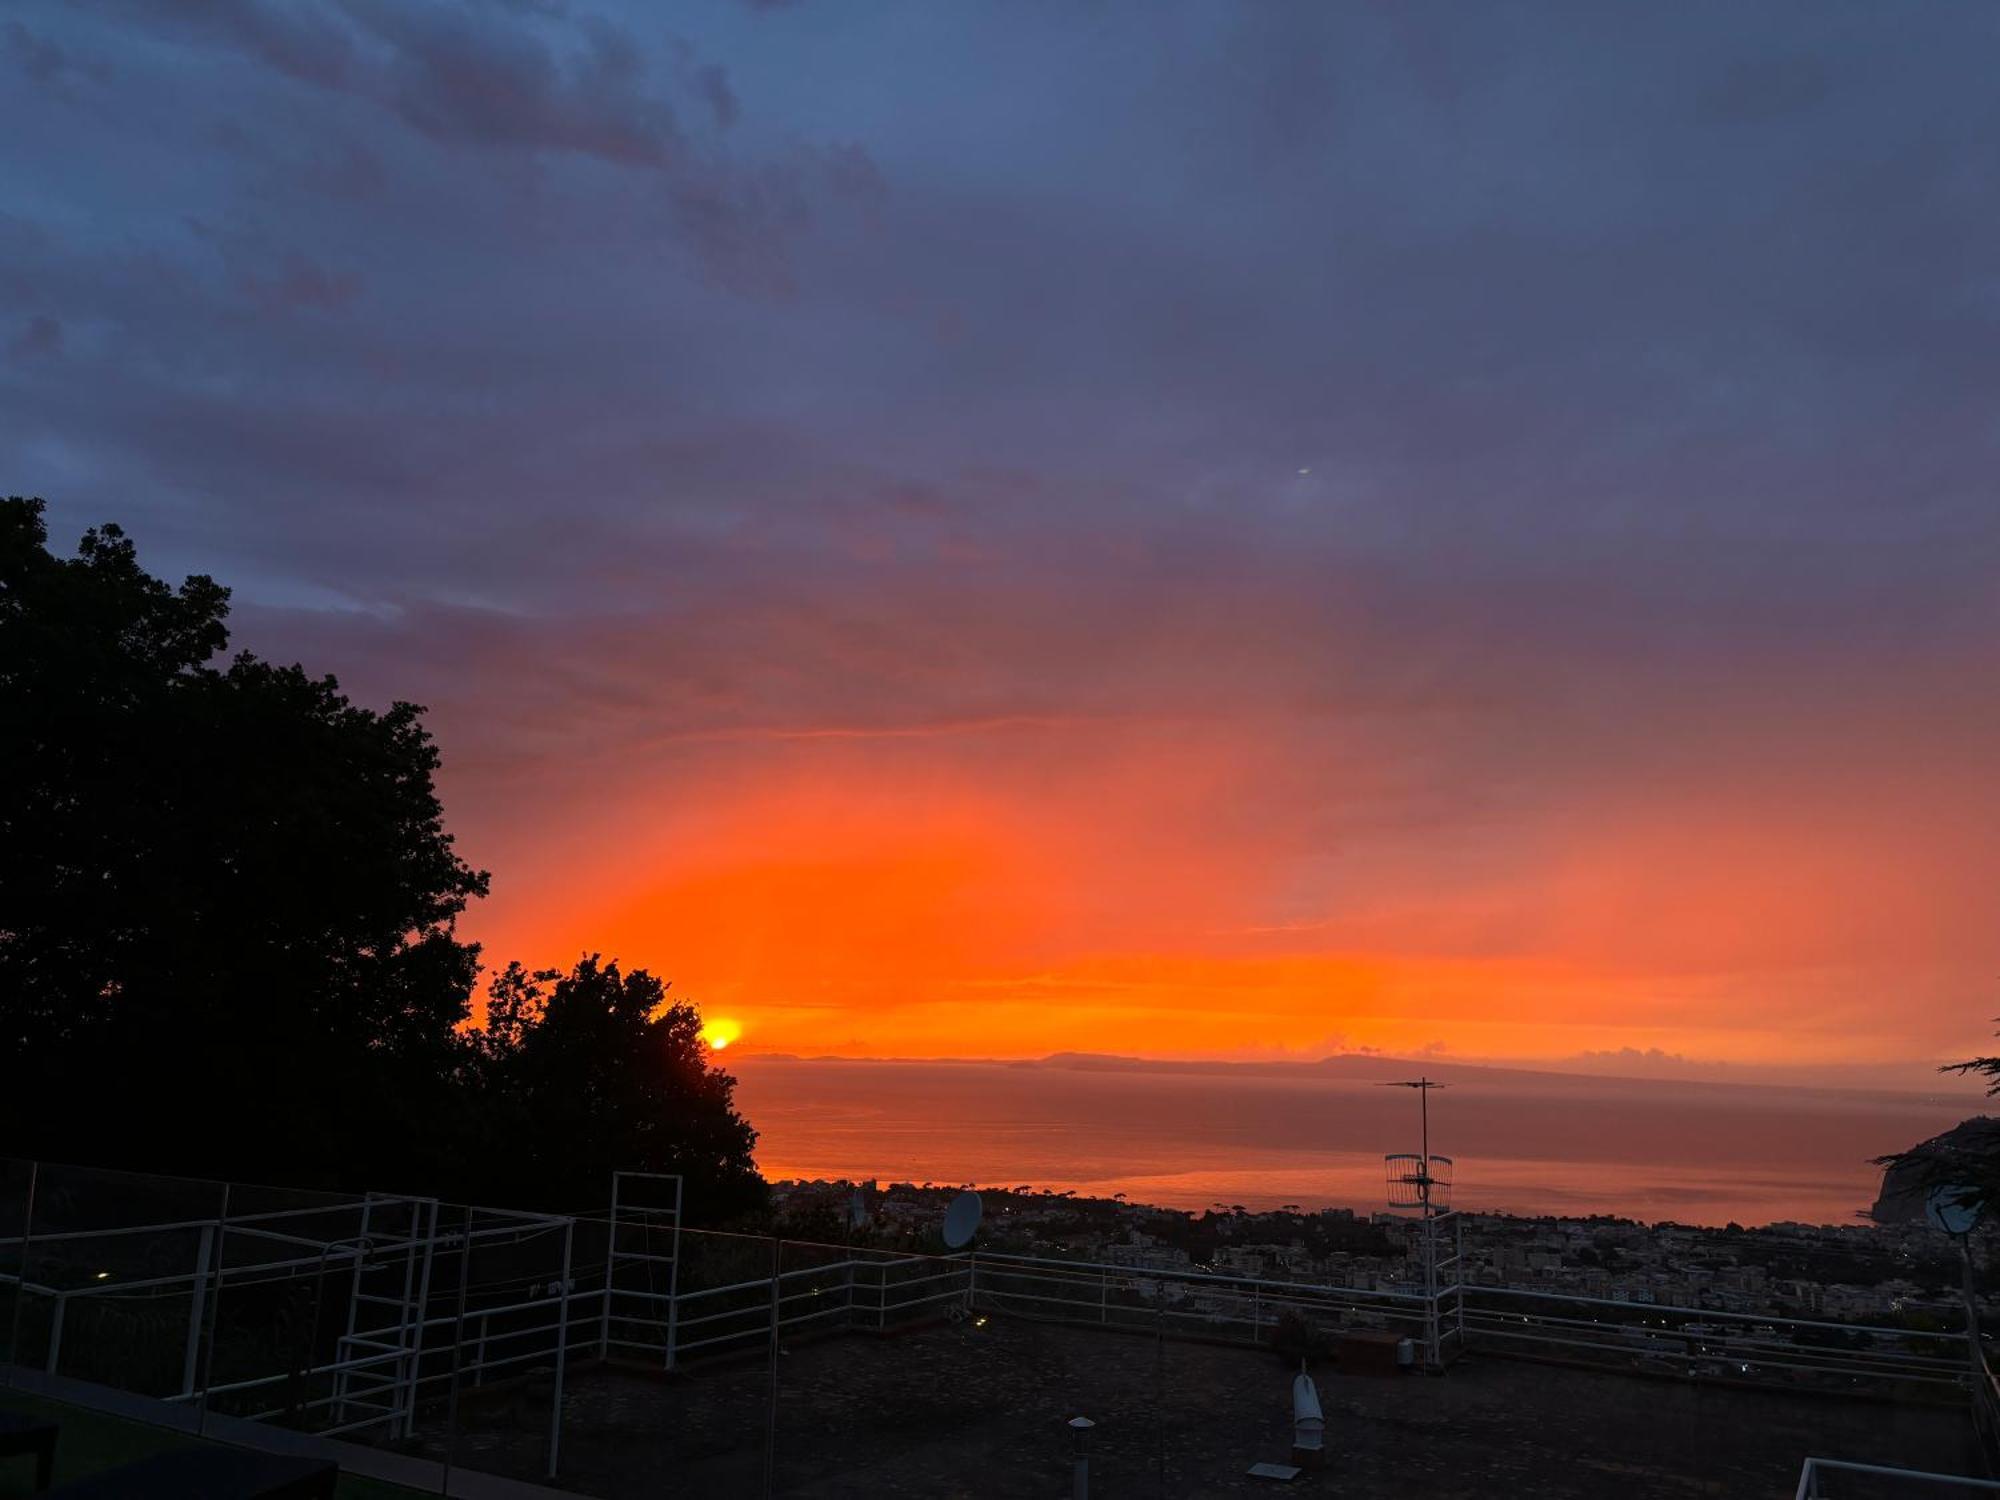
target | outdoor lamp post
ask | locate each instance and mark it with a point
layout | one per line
(1079, 1440)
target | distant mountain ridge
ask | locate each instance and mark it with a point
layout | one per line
(1343, 1067)
(1338, 1064)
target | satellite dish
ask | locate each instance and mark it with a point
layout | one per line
(1953, 1209)
(961, 1220)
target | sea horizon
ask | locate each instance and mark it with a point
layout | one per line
(1196, 1135)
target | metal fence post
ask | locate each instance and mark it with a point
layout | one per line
(562, 1348)
(673, 1283)
(771, 1410)
(458, 1347)
(610, 1278)
(214, 1306)
(1458, 1274)
(202, 1258)
(1433, 1340)
(21, 1281)
(415, 1338)
(56, 1331)
(1160, 1384)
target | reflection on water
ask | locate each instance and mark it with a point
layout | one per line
(1525, 1143)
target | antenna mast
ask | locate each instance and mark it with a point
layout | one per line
(1422, 1180)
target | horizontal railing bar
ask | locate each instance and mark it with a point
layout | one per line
(1963, 1481)
(985, 1258)
(750, 1334)
(360, 1363)
(1702, 1314)
(34, 1287)
(42, 1236)
(343, 1245)
(1491, 1322)
(1780, 1364)
(763, 1313)
(387, 1416)
(924, 1301)
(233, 1221)
(1093, 1289)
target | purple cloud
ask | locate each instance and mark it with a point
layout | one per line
(41, 335)
(1486, 427)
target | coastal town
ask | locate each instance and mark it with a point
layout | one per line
(1901, 1274)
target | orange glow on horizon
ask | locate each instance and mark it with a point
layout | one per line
(1102, 891)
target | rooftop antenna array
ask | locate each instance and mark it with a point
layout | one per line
(1422, 1181)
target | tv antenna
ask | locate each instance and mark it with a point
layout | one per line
(1422, 1181)
(1954, 1209)
(961, 1220)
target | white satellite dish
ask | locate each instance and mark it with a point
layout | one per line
(961, 1220)
(1953, 1209)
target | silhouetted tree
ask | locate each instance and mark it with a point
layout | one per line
(226, 895)
(1967, 1156)
(584, 1073)
(227, 931)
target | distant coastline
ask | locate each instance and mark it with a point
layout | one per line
(1918, 1080)
(1186, 1135)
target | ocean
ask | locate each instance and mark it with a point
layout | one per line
(1266, 1135)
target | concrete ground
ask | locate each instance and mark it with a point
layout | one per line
(981, 1411)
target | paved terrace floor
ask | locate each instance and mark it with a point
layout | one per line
(977, 1412)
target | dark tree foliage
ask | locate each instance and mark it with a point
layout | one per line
(227, 925)
(1965, 1157)
(591, 1071)
(226, 894)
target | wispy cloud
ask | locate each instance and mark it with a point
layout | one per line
(1206, 528)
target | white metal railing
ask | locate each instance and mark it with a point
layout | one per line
(1811, 1471)
(1188, 1303)
(861, 1291)
(1706, 1338)
(880, 1292)
(430, 1341)
(380, 1369)
(210, 1278)
(648, 1219)
(1690, 1340)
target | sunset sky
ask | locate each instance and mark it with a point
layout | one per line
(954, 530)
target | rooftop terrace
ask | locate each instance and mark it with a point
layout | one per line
(472, 1351)
(969, 1410)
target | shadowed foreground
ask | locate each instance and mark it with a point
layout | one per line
(980, 1411)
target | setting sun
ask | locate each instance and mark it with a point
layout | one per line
(719, 1033)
